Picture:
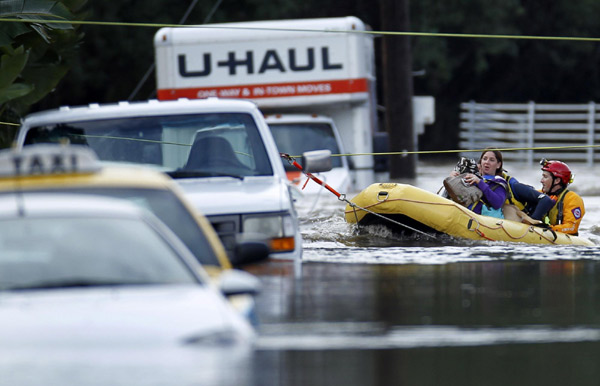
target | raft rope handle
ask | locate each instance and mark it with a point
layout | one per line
(476, 230)
(553, 233)
(471, 219)
(382, 193)
(342, 197)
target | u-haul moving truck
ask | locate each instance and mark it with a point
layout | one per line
(309, 66)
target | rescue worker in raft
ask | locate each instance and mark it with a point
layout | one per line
(568, 210)
(492, 184)
(554, 205)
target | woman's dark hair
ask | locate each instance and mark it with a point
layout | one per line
(498, 155)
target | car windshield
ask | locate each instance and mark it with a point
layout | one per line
(166, 206)
(194, 145)
(295, 139)
(65, 251)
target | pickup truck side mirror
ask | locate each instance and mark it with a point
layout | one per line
(316, 161)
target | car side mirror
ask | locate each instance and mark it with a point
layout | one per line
(236, 282)
(316, 161)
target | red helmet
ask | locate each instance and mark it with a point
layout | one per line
(558, 170)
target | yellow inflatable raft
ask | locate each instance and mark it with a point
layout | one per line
(430, 213)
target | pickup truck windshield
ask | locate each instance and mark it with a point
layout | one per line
(296, 138)
(193, 145)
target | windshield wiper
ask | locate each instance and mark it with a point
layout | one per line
(195, 173)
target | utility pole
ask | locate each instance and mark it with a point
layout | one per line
(398, 87)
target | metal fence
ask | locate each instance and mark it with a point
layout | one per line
(539, 128)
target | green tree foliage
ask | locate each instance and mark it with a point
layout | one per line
(503, 70)
(454, 67)
(113, 60)
(35, 56)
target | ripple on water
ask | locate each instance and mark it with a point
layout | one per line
(337, 336)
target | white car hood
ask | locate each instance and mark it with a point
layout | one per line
(227, 195)
(115, 317)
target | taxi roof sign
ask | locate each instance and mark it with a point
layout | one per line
(48, 159)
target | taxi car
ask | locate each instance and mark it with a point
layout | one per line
(83, 271)
(55, 168)
(76, 169)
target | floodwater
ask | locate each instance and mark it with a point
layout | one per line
(371, 308)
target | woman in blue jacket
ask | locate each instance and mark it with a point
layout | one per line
(491, 183)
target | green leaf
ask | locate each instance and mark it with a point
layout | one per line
(37, 10)
(5, 39)
(60, 10)
(45, 78)
(10, 7)
(14, 29)
(47, 20)
(44, 51)
(12, 65)
(14, 91)
(74, 5)
(42, 32)
(15, 7)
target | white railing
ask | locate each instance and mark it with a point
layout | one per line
(529, 126)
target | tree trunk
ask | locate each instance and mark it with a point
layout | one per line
(398, 87)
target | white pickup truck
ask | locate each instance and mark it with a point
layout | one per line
(221, 152)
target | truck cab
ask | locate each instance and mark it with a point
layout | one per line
(295, 134)
(221, 153)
